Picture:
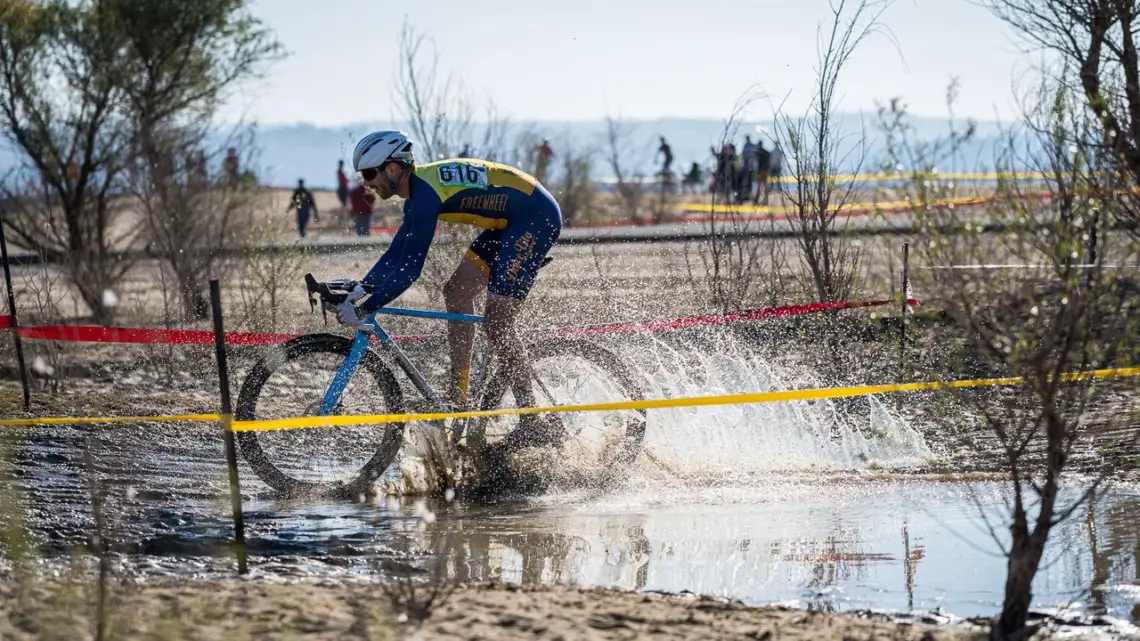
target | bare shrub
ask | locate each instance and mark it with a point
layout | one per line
(1094, 44)
(575, 190)
(619, 147)
(816, 151)
(60, 101)
(737, 265)
(265, 270)
(1050, 326)
(44, 292)
(189, 220)
(89, 90)
(439, 111)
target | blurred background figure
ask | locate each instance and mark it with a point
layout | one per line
(341, 185)
(363, 204)
(543, 154)
(666, 151)
(302, 200)
(692, 180)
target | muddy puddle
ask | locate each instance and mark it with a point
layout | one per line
(830, 541)
(801, 503)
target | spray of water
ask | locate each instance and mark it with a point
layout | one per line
(735, 439)
(727, 443)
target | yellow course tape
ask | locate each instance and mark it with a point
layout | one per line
(947, 176)
(692, 401)
(79, 420)
(894, 204)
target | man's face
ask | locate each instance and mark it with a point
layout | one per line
(380, 181)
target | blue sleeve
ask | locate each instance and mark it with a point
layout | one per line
(401, 265)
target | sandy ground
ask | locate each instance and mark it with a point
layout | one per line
(241, 610)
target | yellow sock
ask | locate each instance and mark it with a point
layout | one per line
(461, 380)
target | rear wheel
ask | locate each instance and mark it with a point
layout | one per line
(599, 445)
(289, 381)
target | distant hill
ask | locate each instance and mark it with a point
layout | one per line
(288, 152)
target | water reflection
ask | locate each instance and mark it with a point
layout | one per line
(843, 548)
(1114, 544)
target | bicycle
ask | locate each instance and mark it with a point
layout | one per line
(286, 380)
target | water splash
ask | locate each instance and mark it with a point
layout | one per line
(733, 439)
(726, 442)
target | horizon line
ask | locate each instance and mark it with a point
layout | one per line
(602, 118)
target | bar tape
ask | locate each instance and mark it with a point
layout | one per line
(139, 335)
(693, 401)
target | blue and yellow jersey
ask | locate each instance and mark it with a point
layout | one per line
(473, 192)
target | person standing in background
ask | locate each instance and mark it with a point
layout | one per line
(666, 151)
(363, 204)
(763, 166)
(302, 200)
(341, 185)
(544, 153)
(748, 167)
(230, 165)
(776, 164)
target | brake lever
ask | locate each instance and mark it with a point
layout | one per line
(315, 297)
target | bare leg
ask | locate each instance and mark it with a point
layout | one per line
(459, 295)
(499, 321)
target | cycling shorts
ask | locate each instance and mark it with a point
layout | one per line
(510, 257)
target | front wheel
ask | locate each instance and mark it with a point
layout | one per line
(599, 445)
(289, 381)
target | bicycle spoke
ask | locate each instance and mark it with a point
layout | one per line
(318, 455)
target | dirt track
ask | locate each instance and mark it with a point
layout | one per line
(239, 610)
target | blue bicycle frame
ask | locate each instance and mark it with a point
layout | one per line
(360, 342)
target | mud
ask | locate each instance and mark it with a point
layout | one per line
(239, 609)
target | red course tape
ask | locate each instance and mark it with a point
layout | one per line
(91, 334)
(720, 319)
(88, 334)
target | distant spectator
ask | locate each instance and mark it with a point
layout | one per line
(666, 151)
(302, 200)
(763, 167)
(747, 166)
(776, 164)
(726, 174)
(543, 155)
(363, 204)
(466, 152)
(196, 171)
(230, 165)
(341, 185)
(692, 179)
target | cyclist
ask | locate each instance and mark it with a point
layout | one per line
(521, 221)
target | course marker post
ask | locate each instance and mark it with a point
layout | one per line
(227, 424)
(902, 316)
(15, 319)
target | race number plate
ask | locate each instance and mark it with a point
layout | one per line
(462, 174)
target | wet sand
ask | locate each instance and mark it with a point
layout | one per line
(240, 609)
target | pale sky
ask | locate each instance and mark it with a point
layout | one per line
(638, 59)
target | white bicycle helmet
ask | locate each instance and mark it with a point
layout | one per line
(379, 147)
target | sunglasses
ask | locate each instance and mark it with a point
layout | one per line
(369, 173)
